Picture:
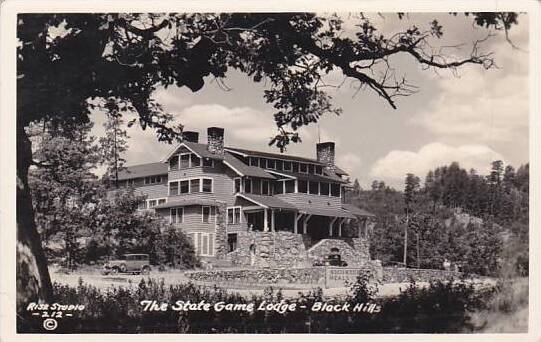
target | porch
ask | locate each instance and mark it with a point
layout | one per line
(270, 214)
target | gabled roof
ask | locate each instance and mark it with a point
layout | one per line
(282, 156)
(197, 148)
(313, 177)
(245, 170)
(356, 210)
(143, 170)
(181, 202)
(311, 210)
(267, 201)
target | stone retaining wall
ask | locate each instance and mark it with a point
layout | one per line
(271, 276)
(403, 275)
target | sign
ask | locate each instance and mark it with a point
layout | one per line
(338, 276)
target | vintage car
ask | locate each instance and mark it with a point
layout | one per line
(129, 263)
(332, 259)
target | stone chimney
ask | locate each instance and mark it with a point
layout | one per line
(191, 136)
(325, 154)
(215, 136)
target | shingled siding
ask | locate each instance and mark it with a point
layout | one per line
(312, 201)
(223, 185)
(153, 191)
(193, 219)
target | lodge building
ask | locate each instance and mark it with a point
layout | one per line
(246, 207)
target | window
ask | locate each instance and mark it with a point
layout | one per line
(203, 243)
(142, 205)
(311, 168)
(335, 189)
(233, 215)
(279, 165)
(195, 160)
(194, 185)
(173, 163)
(177, 215)
(313, 188)
(173, 188)
(185, 160)
(237, 184)
(130, 183)
(207, 162)
(256, 186)
(153, 180)
(207, 185)
(162, 201)
(248, 186)
(303, 168)
(151, 203)
(263, 163)
(254, 161)
(184, 187)
(205, 214)
(232, 242)
(278, 187)
(324, 188)
(265, 187)
(295, 167)
(290, 185)
(271, 164)
(287, 166)
(303, 186)
(319, 170)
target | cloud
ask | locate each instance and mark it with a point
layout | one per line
(241, 124)
(483, 106)
(393, 167)
(350, 162)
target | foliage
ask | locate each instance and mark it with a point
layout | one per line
(177, 250)
(440, 307)
(479, 223)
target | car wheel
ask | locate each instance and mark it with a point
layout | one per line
(123, 268)
(145, 270)
(114, 270)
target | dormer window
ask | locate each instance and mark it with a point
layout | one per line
(173, 163)
(271, 164)
(279, 165)
(185, 160)
(207, 162)
(195, 160)
(254, 161)
(287, 166)
(303, 168)
(153, 180)
(263, 163)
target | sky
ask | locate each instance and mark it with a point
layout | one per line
(472, 117)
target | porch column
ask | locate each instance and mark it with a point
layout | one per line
(273, 219)
(296, 222)
(265, 220)
(340, 226)
(305, 224)
(331, 224)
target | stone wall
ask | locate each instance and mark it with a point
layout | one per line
(269, 249)
(269, 276)
(220, 248)
(355, 253)
(403, 275)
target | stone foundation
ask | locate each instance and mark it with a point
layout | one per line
(287, 249)
(354, 251)
(269, 249)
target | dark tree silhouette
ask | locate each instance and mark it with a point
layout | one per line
(125, 57)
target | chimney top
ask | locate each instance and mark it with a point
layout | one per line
(191, 136)
(325, 154)
(215, 137)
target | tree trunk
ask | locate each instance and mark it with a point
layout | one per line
(33, 280)
(406, 239)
